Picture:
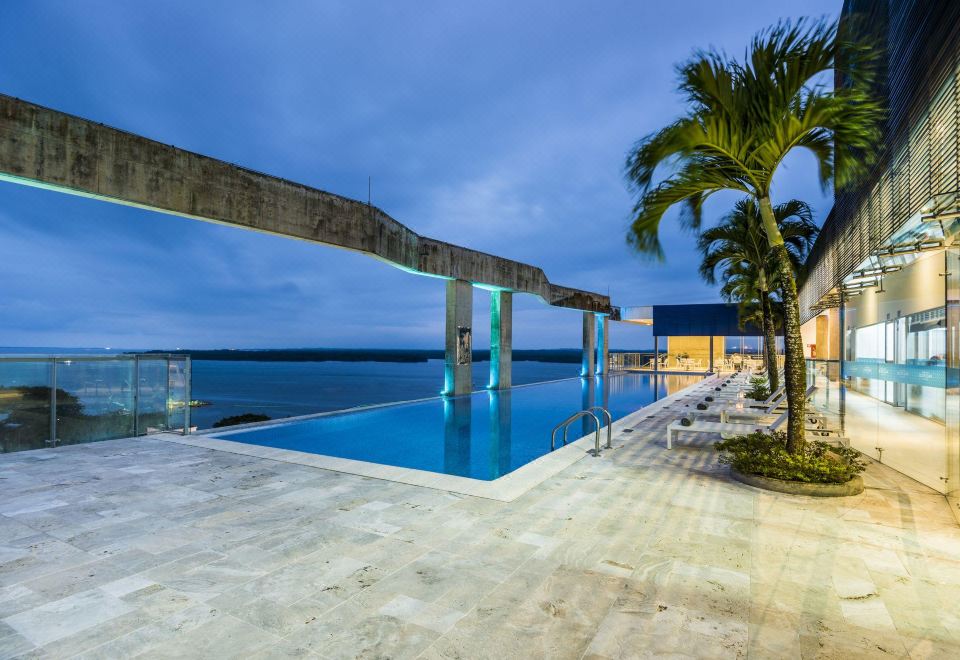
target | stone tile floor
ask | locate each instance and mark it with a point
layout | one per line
(149, 548)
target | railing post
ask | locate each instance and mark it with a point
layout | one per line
(136, 395)
(166, 400)
(187, 377)
(53, 402)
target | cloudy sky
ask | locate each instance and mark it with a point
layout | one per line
(502, 126)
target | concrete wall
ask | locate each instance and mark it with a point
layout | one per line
(808, 331)
(50, 149)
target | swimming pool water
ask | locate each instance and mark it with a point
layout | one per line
(484, 435)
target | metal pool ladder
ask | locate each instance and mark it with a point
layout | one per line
(609, 418)
(565, 424)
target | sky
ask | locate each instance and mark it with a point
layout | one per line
(501, 126)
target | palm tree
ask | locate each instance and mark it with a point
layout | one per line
(747, 285)
(739, 249)
(743, 119)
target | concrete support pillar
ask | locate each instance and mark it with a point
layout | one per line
(589, 345)
(501, 340)
(711, 355)
(656, 353)
(457, 376)
(603, 345)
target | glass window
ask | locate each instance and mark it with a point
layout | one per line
(869, 344)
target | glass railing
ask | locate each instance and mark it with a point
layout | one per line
(621, 361)
(47, 401)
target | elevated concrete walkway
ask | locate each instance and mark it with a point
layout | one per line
(49, 149)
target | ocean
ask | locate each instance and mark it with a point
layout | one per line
(285, 389)
(306, 381)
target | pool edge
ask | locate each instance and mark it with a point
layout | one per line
(504, 489)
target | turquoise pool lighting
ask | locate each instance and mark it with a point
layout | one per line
(484, 435)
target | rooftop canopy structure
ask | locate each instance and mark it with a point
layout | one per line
(54, 150)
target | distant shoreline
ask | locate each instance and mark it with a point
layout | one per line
(366, 355)
(560, 355)
(390, 355)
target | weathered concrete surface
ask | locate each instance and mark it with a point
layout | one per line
(589, 345)
(603, 346)
(458, 362)
(47, 148)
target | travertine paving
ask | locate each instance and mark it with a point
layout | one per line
(147, 547)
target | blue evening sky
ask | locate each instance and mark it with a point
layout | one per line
(502, 126)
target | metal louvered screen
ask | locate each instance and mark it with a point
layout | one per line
(921, 157)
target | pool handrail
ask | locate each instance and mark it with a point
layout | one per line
(609, 418)
(569, 420)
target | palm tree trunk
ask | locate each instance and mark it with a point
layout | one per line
(770, 343)
(795, 376)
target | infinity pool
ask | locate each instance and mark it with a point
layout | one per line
(484, 435)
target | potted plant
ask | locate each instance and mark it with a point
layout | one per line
(820, 469)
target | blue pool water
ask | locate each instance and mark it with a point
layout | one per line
(482, 436)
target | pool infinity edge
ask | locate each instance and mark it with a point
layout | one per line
(503, 489)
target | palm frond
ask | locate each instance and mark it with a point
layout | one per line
(745, 117)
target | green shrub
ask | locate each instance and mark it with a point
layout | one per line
(758, 390)
(246, 418)
(766, 455)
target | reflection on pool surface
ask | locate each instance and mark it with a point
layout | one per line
(484, 435)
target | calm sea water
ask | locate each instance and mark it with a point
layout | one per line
(285, 389)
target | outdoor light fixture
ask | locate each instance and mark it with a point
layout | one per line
(938, 217)
(873, 272)
(925, 245)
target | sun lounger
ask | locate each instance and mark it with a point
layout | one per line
(749, 416)
(776, 397)
(729, 429)
(724, 429)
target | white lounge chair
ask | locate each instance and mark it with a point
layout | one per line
(749, 416)
(732, 414)
(730, 429)
(725, 429)
(753, 403)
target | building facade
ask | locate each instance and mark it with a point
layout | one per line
(881, 304)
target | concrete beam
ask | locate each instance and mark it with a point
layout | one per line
(458, 363)
(50, 149)
(501, 340)
(589, 345)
